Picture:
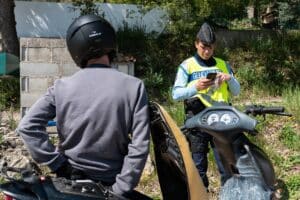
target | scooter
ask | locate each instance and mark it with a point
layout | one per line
(29, 184)
(250, 174)
(178, 177)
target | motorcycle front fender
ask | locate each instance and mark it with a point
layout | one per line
(264, 165)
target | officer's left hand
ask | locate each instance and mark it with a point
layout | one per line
(221, 77)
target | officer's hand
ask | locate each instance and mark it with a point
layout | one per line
(203, 83)
(221, 77)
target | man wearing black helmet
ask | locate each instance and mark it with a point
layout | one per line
(101, 114)
(203, 81)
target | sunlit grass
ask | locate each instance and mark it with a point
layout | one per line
(290, 138)
(291, 98)
(293, 183)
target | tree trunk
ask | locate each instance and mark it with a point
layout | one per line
(10, 42)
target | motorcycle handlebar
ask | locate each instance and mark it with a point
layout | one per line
(261, 110)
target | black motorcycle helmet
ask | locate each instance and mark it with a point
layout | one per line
(90, 36)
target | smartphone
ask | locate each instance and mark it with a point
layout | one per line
(211, 76)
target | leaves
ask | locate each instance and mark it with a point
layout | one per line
(86, 7)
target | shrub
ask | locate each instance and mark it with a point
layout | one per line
(9, 92)
(271, 63)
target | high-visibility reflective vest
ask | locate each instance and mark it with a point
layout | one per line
(210, 96)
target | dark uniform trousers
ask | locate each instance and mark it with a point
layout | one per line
(199, 142)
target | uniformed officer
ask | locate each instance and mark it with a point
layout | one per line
(198, 90)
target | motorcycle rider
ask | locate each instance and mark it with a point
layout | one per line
(198, 92)
(101, 113)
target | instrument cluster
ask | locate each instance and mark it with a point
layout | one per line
(227, 118)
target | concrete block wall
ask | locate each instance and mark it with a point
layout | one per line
(42, 61)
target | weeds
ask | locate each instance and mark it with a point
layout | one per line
(291, 98)
(290, 138)
(9, 92)
(293, 183)
(12, 123)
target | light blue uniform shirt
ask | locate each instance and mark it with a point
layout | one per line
(180, 90)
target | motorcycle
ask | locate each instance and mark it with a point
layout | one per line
(31, 185)
(250, 173)
(246, 164)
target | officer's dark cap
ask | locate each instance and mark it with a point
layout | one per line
(206, 34)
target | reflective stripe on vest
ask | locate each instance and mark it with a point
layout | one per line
(210, 96)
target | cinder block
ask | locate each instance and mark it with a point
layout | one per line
(126, 67)
(39, 49)
(23, 111)
(61, 55)
(68, 69)
(131, 68)
(122, 67)
(24, 83)
(51, 80)
(28, 99)
(59, 43)
(39, 69)
(23, 54)
(38, 85)
(35, 42)
(38, 54)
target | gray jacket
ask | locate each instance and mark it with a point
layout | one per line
(102, 122)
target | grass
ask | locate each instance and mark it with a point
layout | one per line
(293, 183)
(12, 123)
(284, 157)
(290, 138)
(291, 98)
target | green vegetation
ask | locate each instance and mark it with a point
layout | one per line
(291, 98)
(293, 183)
(9, 92)
(290, 138)
(12, 123)
(186, 15)
(269, 63)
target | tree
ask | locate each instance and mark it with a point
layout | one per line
(8, 30)
(86, 6)
(289, 14)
